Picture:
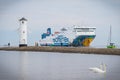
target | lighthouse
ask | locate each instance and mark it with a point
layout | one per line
(23, 32)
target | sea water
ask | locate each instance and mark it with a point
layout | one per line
(16, 65)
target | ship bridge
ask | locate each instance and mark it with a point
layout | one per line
(84, 30)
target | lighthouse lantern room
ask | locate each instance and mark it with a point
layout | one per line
(23, 32)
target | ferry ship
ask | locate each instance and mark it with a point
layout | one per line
(74, 36)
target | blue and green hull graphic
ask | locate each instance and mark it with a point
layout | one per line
(83, 40)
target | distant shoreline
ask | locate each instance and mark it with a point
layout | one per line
(84, 50)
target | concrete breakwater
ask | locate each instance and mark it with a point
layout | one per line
(84, 50)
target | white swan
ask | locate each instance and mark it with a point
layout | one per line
(102, 69)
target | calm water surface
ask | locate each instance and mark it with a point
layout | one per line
(56, 66)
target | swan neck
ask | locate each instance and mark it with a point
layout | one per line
(104, 67)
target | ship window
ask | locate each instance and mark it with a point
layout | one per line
(84, 30)
(92, 30)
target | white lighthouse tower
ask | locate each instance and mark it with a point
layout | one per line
(23, 32)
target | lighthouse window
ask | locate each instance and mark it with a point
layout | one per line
(23, 31)
(22, 22)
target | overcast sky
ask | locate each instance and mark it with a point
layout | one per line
(56, 14)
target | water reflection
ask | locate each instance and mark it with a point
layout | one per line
(56, 66)
(24, 63)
